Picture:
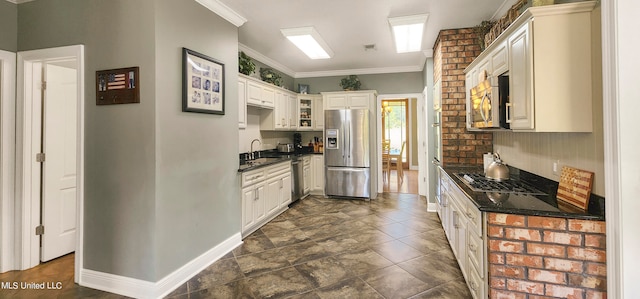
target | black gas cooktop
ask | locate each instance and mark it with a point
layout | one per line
(479, 183)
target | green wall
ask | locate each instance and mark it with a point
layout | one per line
(197, 193)
(160, 184)
(120, 139)
(411, 82)
(8, 26)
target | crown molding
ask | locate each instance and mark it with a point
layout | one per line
(266, 60)
(367, 71)
(223, 11)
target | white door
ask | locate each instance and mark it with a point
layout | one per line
(59, 144)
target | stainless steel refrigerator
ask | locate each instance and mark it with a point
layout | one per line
(346, 153)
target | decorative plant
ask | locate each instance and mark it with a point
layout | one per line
(350, 82)
(482, 30)
(245, 65)
(269, 76)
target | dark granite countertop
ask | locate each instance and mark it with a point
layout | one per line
(269, 158)
(536, 205)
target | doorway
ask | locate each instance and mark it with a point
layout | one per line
(50, 147)
(398, 122)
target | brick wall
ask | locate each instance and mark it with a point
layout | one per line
(454, 50)
(534, 257)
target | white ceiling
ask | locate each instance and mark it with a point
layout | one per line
(348, 25)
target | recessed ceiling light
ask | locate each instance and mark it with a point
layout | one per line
(309, 41)
(407, 32)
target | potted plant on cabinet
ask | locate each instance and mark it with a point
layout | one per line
(350, 82)
(245, 65)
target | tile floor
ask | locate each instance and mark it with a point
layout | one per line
(389, 247)
(331, 248)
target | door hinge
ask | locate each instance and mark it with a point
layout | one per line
(39, 230)
(40, 157)
(44, 85)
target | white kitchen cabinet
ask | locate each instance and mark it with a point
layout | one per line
(283, 115)
(520, 111)
(362, 99)
(550, 66)
(242, 103)
(266, 192)
(253, 205)
(292, 111)
(463, 225)
(306, 112)
(318, 114)
(306, 174)
(317, 168)
(499, 59)
(259, 94)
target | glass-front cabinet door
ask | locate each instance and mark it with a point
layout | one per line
(305, 113)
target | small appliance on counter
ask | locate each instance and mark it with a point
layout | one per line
(297, 141)
(285, 148)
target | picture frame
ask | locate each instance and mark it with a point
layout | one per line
(118, 86)
(303, 88)
(203, 83)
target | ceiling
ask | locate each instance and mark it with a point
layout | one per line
(347, 26)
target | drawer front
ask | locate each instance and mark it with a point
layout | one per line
(475, 218)
(476, 284)
(278, 169)
(252, 177)
(475, 250)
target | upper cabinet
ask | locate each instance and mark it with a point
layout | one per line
(310, 112)
(547, 55)
(362, 99)
(242, 102)
(259, 94)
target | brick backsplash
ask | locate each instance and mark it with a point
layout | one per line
(534, 257)
(454, 50)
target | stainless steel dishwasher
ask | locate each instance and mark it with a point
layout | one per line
(297, 188)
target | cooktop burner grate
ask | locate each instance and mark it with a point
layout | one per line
(479, 183)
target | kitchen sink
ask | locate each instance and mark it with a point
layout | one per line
(260, 161)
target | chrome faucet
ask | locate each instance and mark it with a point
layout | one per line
(252, 153)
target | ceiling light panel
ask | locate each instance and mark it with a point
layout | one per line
(408, 31)
(309, 41)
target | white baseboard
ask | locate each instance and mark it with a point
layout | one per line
(117, 284)
(431, 207)
(137, 288)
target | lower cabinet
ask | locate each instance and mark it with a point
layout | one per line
(317, 167)
(306, 173)
(266, 192)
(463, 226)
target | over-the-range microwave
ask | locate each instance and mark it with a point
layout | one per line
(488, 104)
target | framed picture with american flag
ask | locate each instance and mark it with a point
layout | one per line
(203, 83)
(118, 86)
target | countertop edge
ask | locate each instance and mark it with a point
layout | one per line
(471, 195)
(282, 159)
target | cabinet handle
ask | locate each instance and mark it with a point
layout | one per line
(474, 286)
(472, 248)
(281, 183)
(471, 216)
(509, 113)
(455, 220)
(255, 194)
